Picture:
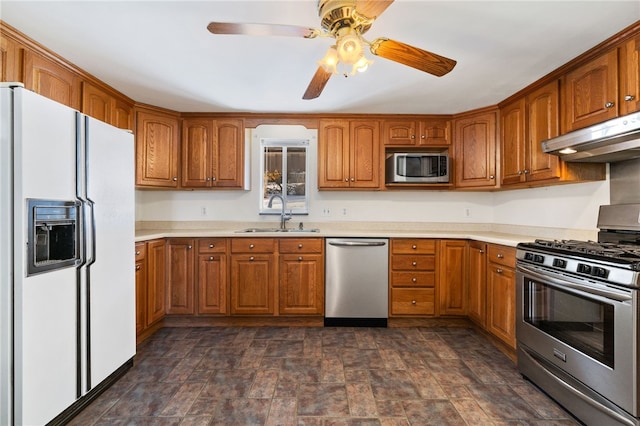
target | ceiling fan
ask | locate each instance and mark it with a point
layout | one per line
(346, 21)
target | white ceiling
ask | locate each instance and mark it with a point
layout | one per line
(160, 52)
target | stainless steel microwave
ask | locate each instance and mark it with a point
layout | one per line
(418, 167)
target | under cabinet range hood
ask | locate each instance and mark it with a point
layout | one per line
(614, 140)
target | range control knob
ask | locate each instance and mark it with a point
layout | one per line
(600, 272)
(560, 263)
(538, 258)
(583, 268)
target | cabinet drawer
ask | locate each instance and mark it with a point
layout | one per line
(301, 245)
(141, 251)
(413, 279)
(502, 255)
(212, 245)
(413, 245)
(253, 245)
(411, 301)
(418, 262)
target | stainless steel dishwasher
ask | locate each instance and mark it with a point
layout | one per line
(356, 282)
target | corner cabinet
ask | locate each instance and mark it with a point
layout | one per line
(150, 284)
(212, 153)
(475, 150)
(157, 149)
(349, 154)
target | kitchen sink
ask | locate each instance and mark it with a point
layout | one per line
(258, 230)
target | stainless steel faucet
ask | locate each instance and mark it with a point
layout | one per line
(283, 216)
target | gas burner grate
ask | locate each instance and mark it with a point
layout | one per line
(609, 250)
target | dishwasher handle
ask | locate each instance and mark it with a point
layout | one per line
(357, 243)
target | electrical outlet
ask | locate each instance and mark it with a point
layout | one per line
(344, 211)
(467, 212)
(203, 211)
(326, 212)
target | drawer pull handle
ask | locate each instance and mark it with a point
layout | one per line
(138, 268)
(500, 256)
(300, 259)
(481, 251)
(414, 246)
(499, 271)
(629, 98)
(414, 263)
(211, 245)
(251, 259)
(299, 245)
(211, 258)
(137, 253)
(189, 247)
(251, 246)
(609, 105)
(413, 302)
(414, 279)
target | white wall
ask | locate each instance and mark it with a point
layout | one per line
(566, 206)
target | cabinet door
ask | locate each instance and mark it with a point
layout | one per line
(141, 297)
(122, 114)
(212, 284)
(400, 132)
(157, 150)
(434, 133)
(180, 283)
(10, 60)
(501, 303)
(252, 284)
(96, 102)
(477, 282)
(301, 289)
(630, 76)
(197, 147)
(512, 146)
(333, 154)
(452, 273)
(590, 93)
(51, 80)
(364, 154)
(543, 123)
(156, 280)
(475, 150)
(228, 154)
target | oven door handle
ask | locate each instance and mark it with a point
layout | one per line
(563, 284)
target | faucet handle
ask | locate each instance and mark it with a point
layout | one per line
(287, 216)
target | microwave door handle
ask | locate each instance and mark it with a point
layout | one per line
(572, 287)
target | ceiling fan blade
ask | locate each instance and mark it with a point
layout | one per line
(319, 80)
(412, 56)
(372, 8)
(262, 29)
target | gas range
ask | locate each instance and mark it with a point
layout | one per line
(595, 261)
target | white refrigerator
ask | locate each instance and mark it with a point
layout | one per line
(67, 329)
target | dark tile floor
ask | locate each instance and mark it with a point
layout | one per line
(321, 376)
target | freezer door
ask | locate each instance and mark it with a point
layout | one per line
(45, 305)
(110, 283)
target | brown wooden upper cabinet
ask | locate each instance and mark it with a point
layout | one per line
(416, 132)
(212, 153)
(157, 149)
(475, 150)
(349, 154)
(103, 106)
(590, 93)
(51, 80)
(630, 76)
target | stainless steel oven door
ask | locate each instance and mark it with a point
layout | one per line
(586, 329)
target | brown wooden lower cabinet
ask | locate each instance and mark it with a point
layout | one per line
(452, 273)
(253, 276)
(477, 279)
(150, 283)
(501, 293)
(211, 276)
(180, 276)
(301, 284)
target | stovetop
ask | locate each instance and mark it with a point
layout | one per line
(598, 261)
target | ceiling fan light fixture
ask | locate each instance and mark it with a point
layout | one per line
(350, 48)
(330, 61)
(362, 65)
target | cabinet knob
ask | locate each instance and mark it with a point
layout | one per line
(629, 98)
(137, 253)
(500, 256)
(137, 267)
(413, 302)
(423, 137)
(609, 105)
(175, 179)
(353, 180)
(189, 247)
(519, 172)
(526, 172)
(208, 179)
(413, 136)
(211, 258)
(213, 178)
(481, 251)
(492, 177)
(299, 258)
(414, 246)
(499, 270)
(414, 263)
(299, 245)
(211, 245)
(415, 280)
(346, 179)
(251, 246)
(251, 259)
